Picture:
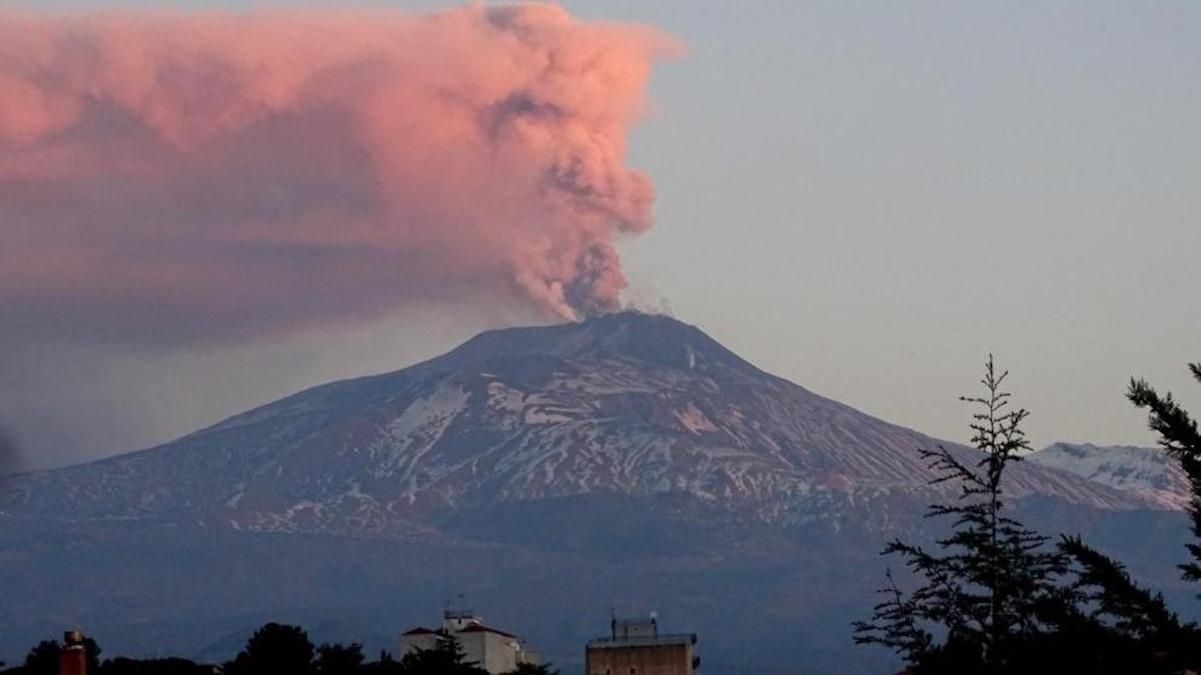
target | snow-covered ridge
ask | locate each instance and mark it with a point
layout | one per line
(1148, 473)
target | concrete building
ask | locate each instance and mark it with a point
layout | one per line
(635, 647)
(493, 650)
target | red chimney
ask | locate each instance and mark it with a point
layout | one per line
(73, 660)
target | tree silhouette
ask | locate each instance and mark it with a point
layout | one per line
(43, 658)
(336, 659)
(1178, 435)
(1112, 625)
(1114, 598)
(447, 658)
(992, 598)
(533, 669)
(386, 665)
(984, 587)
(275, 648)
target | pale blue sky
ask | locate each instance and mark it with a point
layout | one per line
(864, 197)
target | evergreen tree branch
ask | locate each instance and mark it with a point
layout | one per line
(1180, 438)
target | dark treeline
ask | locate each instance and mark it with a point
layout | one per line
(275, 649)
(996, 597)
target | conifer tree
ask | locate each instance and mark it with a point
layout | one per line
(982, 588)
(43, 658)
(1105, 589)
(274, 648)
(338, 659)
(448, 658)
(1178, 435)
(1111, 625)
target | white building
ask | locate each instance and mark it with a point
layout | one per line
(493, 650)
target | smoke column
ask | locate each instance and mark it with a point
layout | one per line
(173, 178)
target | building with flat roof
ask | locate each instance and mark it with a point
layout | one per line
(494, 650)
(636, 647)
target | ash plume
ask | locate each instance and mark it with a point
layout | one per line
(171, 178)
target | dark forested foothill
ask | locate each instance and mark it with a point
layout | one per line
(996, 597)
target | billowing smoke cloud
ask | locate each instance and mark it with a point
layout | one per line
(171, 178)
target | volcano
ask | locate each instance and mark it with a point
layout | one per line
(553, 473)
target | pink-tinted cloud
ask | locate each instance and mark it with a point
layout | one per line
(170, 177)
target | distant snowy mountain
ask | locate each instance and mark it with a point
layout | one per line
(553, 473)
(1148, 473)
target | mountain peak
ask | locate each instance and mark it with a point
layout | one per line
(654, 339)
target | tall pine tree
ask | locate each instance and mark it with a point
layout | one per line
(981, 590)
